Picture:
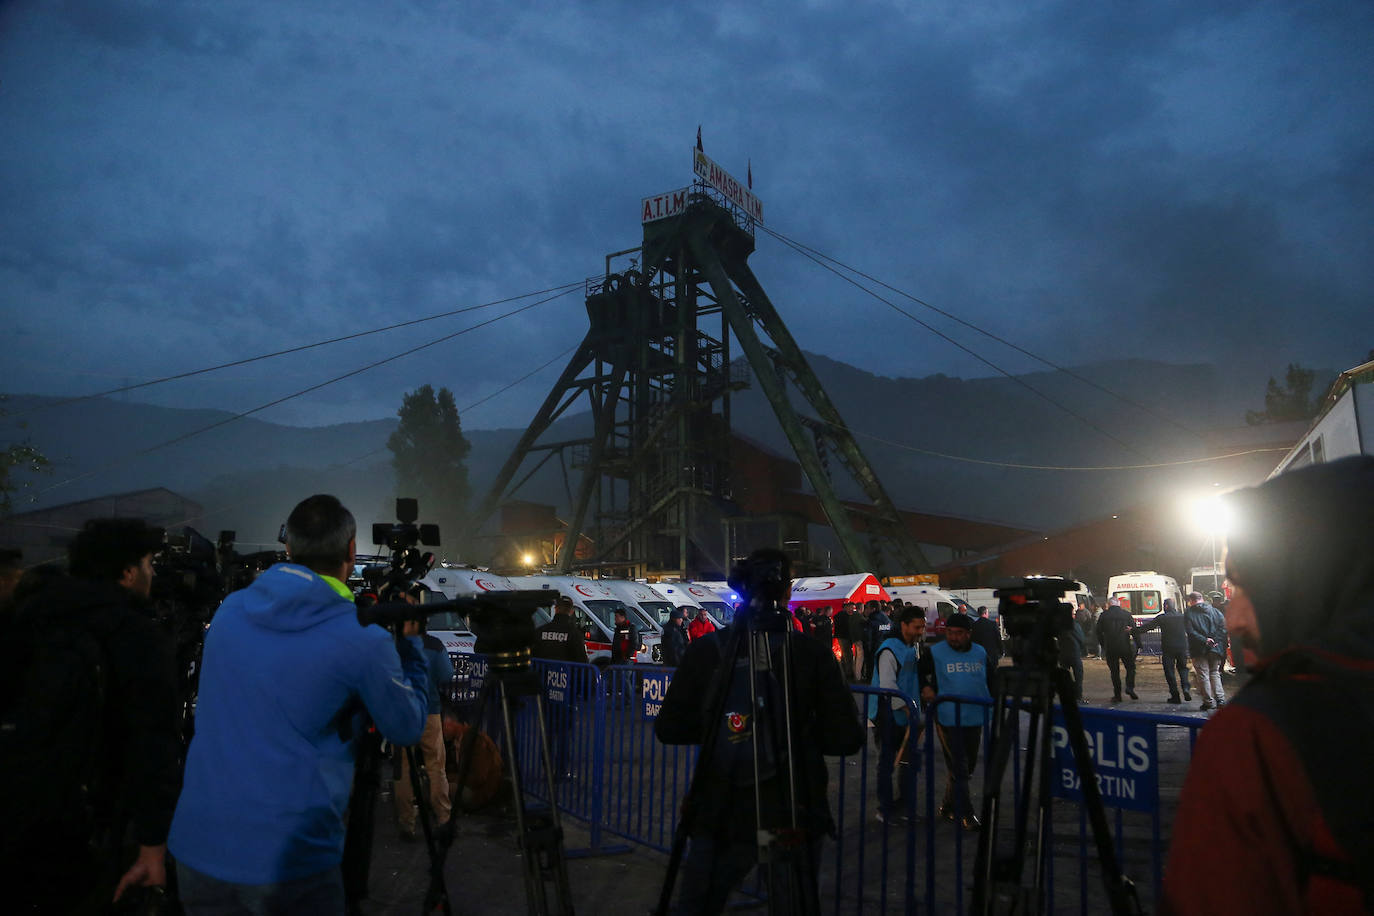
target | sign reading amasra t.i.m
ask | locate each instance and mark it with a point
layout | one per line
(725, 183)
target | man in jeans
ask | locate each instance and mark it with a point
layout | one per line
(1207, 648)
(894, 668)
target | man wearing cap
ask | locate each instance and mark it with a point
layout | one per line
(64, 854)
(1207, 647)
(561, 639)
(675, 638)
(957, 666)
(1114, 635)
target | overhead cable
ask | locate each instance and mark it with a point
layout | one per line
(1002, 340)
(561, 289)
(261, 407)
(938, 333)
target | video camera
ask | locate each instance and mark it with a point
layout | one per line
(1034, 616)
(764, 581)
(502, 621)
(408, 564)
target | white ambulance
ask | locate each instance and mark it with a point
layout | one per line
(1143, 593)
(594, 606)
(689, 596)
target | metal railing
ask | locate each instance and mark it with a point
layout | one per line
(615, 776)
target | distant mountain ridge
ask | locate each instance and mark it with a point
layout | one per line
(247, 473)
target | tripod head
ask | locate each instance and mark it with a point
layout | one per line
(764, 581)
(1035, 618)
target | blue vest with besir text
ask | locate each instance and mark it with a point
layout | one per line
(963, 674)
(907, 681)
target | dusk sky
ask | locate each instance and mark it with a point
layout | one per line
(184, 184)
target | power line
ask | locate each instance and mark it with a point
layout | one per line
(338, 378)
(937, 332)
(561, 290)
(968, 324)
(1050, 467)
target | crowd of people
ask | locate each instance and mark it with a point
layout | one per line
(1275, 813)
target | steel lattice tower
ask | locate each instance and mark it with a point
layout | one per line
(655, 369)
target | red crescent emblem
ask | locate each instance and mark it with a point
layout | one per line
(583, 589)
(735, 722)
(482, 584)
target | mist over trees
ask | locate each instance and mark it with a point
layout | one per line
(429, 454)
(1292, 400)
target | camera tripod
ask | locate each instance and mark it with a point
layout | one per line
(509, 678)
(1033, 684)
(784, 851)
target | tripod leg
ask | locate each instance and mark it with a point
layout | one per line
(541, 835)
(1120, 890)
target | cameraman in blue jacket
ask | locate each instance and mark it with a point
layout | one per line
(286, 676)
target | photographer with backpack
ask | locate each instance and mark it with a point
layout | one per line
(89, 750)
(741, 692)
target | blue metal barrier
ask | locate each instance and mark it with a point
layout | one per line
(619, 780)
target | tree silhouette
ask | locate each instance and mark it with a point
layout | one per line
(19, 455)
(1291, 401)
(429, 454)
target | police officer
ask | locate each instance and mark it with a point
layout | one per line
(561, 639)
(879, 628)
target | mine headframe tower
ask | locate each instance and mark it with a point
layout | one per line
(656, 370)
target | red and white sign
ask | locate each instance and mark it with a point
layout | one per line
(726, 184)
(662, 206)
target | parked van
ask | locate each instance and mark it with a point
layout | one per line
(594, 606)
(935, 601)
(654, 606)
(445, 583)
(689, 596)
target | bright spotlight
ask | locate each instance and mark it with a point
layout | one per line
(527, 559)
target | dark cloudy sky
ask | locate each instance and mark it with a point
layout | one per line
(187, 183)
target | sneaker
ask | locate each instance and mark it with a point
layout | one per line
(1220, 703)
(1173, 698)
(1116, 698)
(971, 822)
(1131, 694)
(1187, 697)
(1206, 705)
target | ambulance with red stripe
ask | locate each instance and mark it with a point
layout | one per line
(594, 606)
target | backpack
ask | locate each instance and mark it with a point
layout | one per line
(52, 756)
(1328, 718)
(732, 756)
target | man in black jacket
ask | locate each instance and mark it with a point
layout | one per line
(1174, 645)
(988, 635)
(76, 859)
(675, 638)
(1114, 635)
(561, 639)
(824, 721)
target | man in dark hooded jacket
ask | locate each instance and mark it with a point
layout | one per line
(1114, 630)
(1277, 813)
(1174, 647)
